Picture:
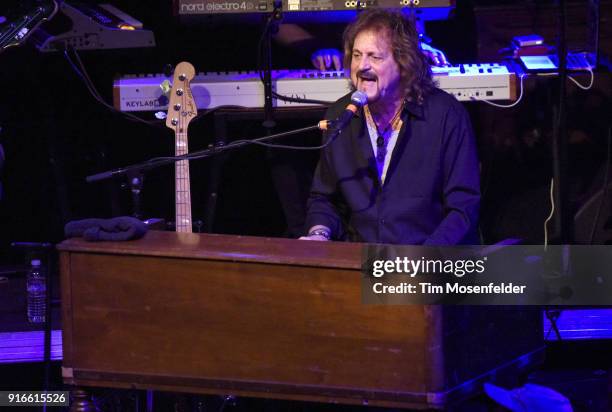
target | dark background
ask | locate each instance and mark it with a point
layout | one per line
(55, 134)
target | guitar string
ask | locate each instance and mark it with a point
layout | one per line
(183, 194)
(15, 32)
(180, 207)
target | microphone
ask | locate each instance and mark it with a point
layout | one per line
(358, 99)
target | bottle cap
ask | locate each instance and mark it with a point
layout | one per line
(35, 262)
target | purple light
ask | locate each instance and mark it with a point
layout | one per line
(579, 324)
(18, 347)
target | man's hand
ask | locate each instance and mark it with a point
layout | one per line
(327, 59)
(434, 56)
(319, 233)
(318, 238)
(293, 35)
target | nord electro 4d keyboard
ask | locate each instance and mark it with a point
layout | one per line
(425, 9)
(148, 92)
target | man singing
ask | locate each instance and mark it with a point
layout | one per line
(405, 169)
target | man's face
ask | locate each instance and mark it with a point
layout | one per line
(373, 67)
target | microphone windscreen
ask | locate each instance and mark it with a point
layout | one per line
(359, 98)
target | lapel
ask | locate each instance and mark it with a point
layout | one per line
(400, 145)
(362, 144)
(411, 112)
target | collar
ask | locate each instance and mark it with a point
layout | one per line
(413, 108)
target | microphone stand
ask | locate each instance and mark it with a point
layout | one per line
(136, 181)
(271, 28)
(139, 168)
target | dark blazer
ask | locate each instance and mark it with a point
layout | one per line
(431, 193)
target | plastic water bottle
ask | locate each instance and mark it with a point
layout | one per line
(37, 293)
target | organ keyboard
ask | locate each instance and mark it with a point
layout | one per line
(273, 318)
(467, 82)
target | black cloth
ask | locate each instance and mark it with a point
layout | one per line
(431, 193)
(115, 229)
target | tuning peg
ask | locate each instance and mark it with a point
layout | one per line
(166, 87)
(161, 115)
